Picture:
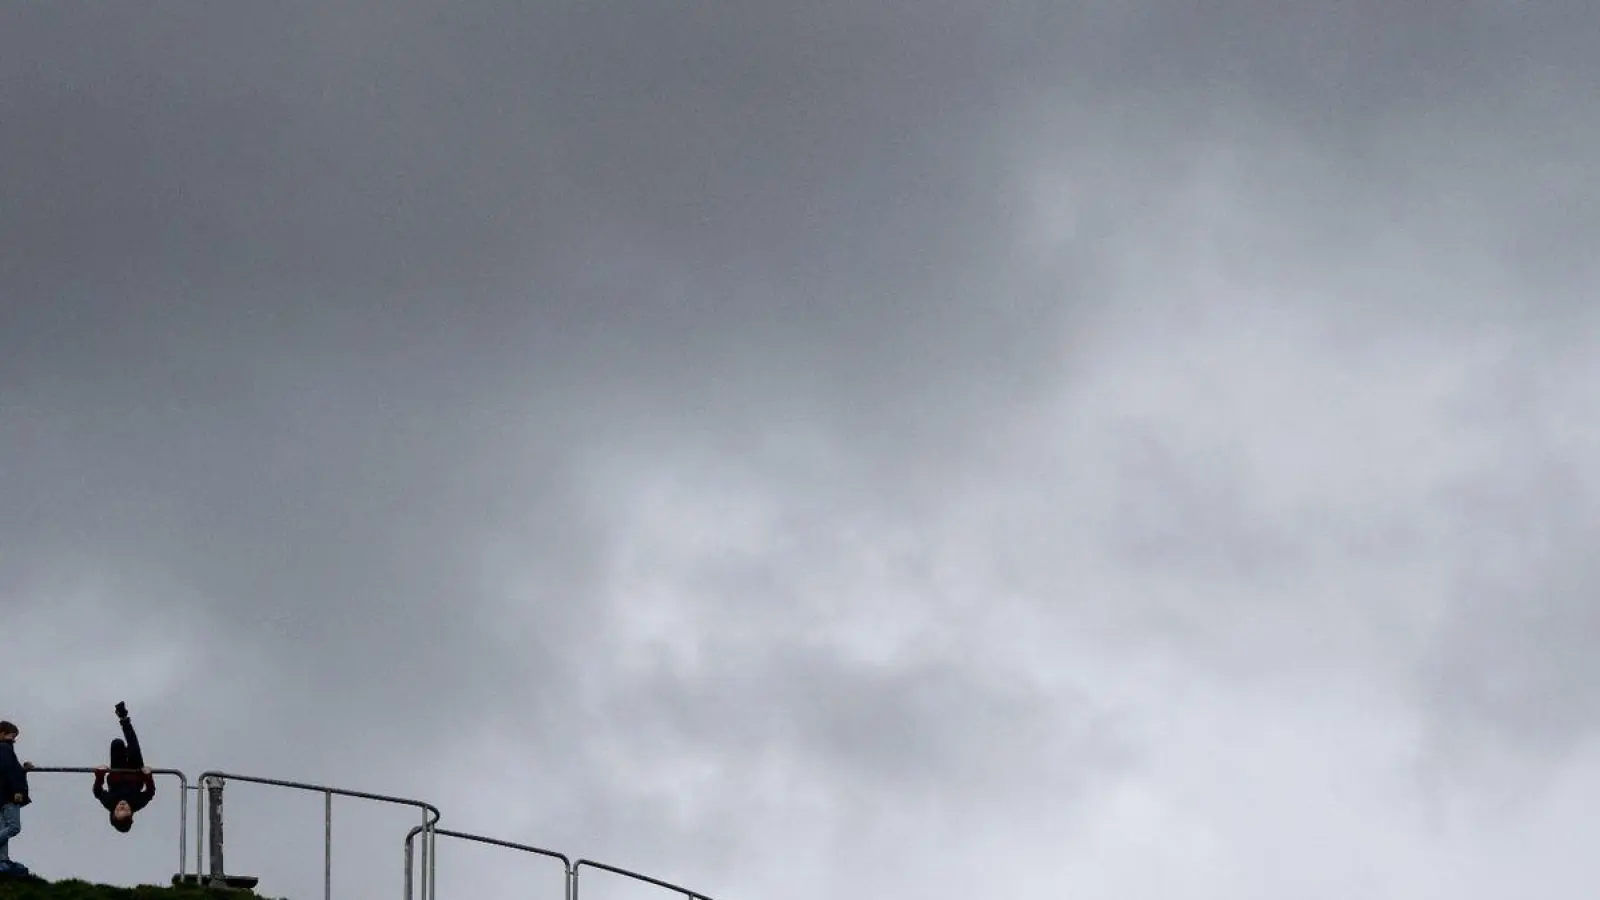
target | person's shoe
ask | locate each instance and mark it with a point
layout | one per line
(13, 868)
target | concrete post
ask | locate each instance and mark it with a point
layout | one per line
(214, 815)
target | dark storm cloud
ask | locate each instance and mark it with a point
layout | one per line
(487, 176)
(434, 148)
(308, 145)
(305, 310)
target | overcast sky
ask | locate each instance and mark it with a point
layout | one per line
(906, 450)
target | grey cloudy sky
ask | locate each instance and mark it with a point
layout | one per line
(1136, 450)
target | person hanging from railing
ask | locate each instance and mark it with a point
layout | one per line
(127, 785)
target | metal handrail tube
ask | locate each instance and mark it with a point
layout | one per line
(428, 862)
(635, 875)
(183, 800)
(566, 864)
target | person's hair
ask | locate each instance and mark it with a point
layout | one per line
(121, 825)
(8, 728)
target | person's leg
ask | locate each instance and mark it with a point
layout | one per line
(119, 754)
(10, 827)
(135, 755)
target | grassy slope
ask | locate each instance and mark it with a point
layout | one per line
(39, 889)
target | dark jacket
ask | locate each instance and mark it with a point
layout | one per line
(135, 787)
(125, 782)
(13, 777)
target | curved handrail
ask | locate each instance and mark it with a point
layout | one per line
(428, 862)
(183, 800)
(635, 875)
(566, 864)
(324, 789)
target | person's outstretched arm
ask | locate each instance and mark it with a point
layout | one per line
(100, 792)
(147, 790)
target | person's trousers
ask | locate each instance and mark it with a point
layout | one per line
(127, 755)
(10, 827)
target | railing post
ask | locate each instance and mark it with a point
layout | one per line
(183, 826)
(410, 857)
(433, 860)
(199, 830)
(426, 855)
(327, 845)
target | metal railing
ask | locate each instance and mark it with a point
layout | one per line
(566, 864)
(430, 816)
(693, 895)
(430, 819)
(571, 868)
(183, 799)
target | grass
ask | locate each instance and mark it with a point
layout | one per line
(31, 888)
